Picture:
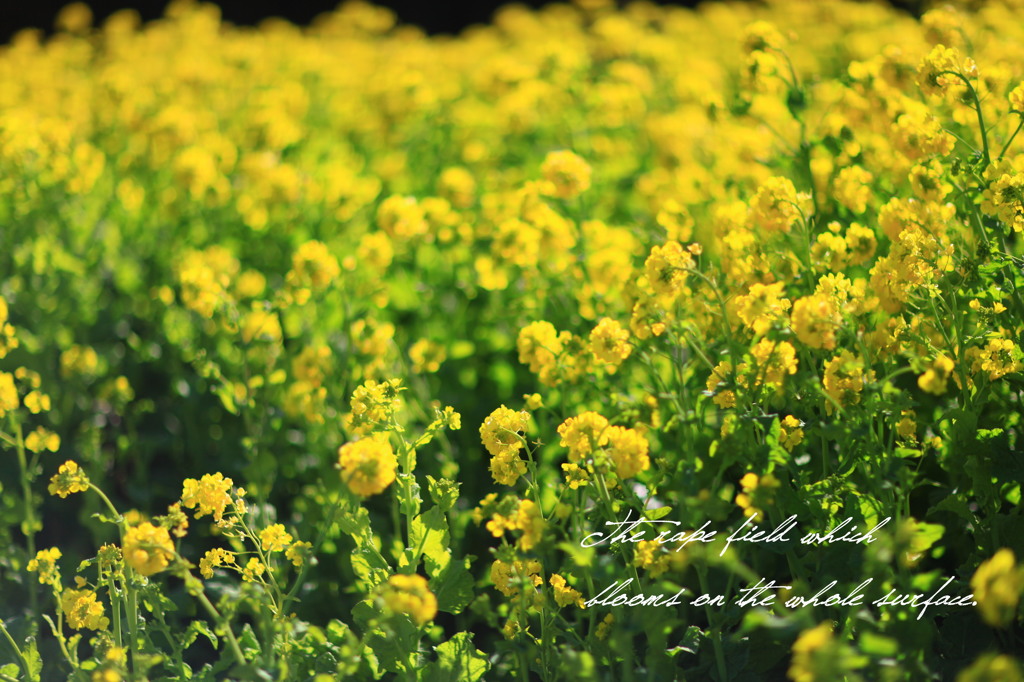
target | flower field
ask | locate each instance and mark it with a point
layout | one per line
(597, 343)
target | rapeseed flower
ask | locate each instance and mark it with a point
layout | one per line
(147, 548)
(69, 479)
(997, 585)
(367, 465)
(410, 595)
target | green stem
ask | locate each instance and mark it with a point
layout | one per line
(115, 607)
(133, 624)
(58, 633)
(106, 500)
(977, 108)
(606, 500)
(321, 537)
(199, 594)
(716, 636)
(22, 663)
(28, 526)
(1010, 141)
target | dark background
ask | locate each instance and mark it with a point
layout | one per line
(448, 16)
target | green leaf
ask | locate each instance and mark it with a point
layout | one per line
(157, 599)
(457, 661)
(459, 350)
(355, 523)
(955, 505)
(581, 556)
(992, 267)
(370, 566)
(443, 492)
(691, 641)
(453, 587)
(925, 535)
(200, 627)
(658, 513)
(227, 398)
(877, 645)
(429, 536)
(30, 652)
(248, 643)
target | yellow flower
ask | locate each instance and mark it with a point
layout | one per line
(575, 476)
(529, 520)
(401, 217)
(261, 324)
(250, 284)
(720, 376)
(583, 435)
(313, 266)
(37, 402)
(507, 467)
(45, 563)
(275, 538)
(41, 439)
(655, 558)
(927, 182)
(666, 268)
(628, 450)
(253, 571)
(82, 610)
(774, 360)
(374, 404)
(8, 394)
(942, 69)
(367, 465)
(791, 432)
(458, 186)
(844, 380)
(906, 427)
(761, 306)
(852, 188)
(807, 664)
(298, 551)
(609, 342)
(215, 558)
(426, 356)
(176, 520)
(567, 174)
(815, 319)
(998, 358)
(992, 668)
(1016, 99)
(312, 365)
(148, 548)
(539, 346)
(997, 585)
(758, 492)
(776, 205)
(210, 494)
(510, 578)
(501, 431)
(762, 35)
(935, 377)
(565, 595)
(410, 595)
(604, 627)
(78, 361)
(860, 244)
(1004, 197)
(68, 479)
